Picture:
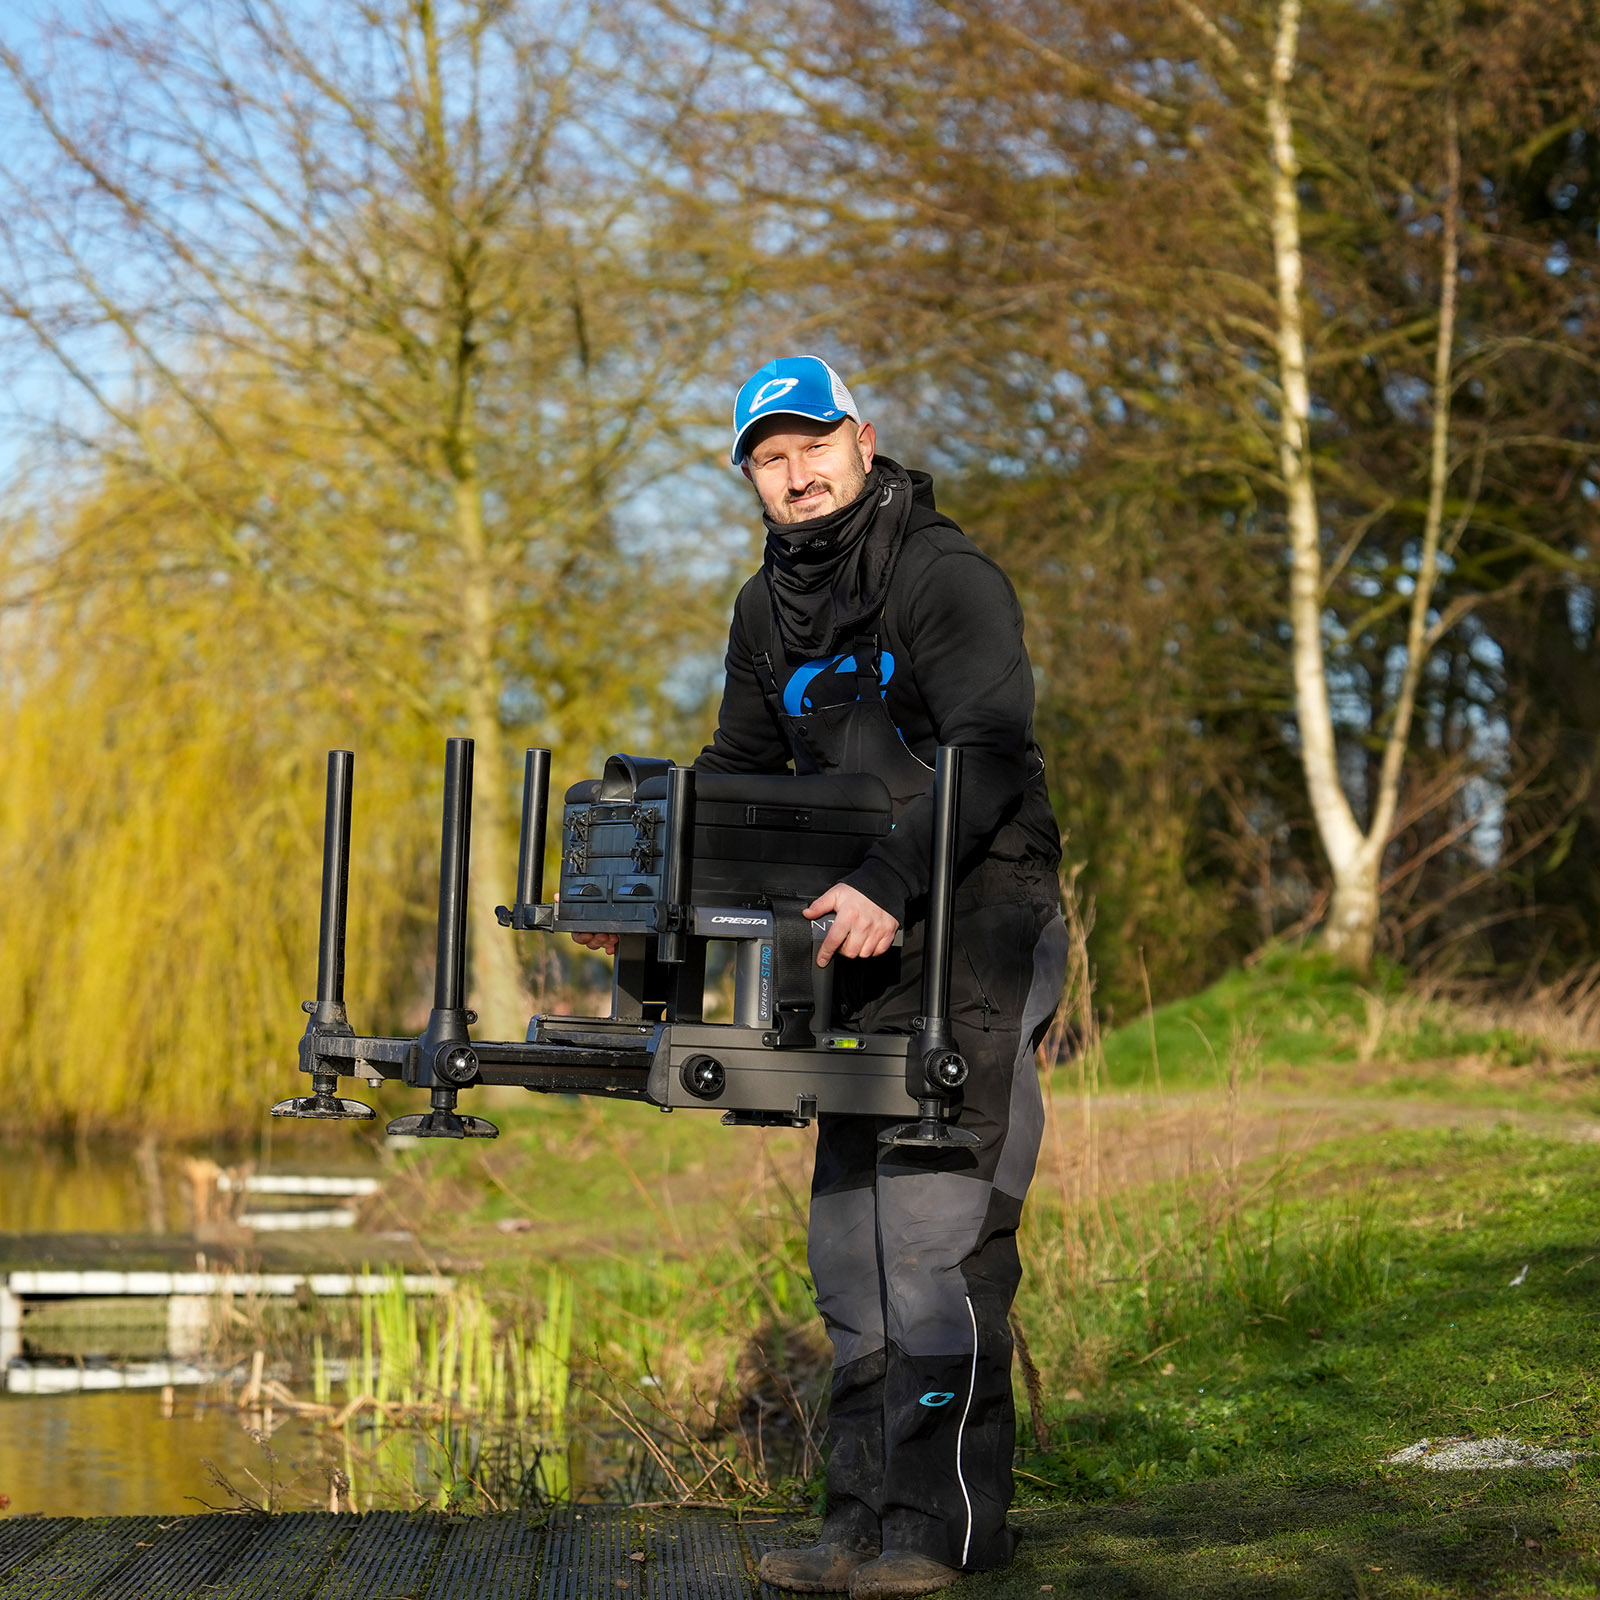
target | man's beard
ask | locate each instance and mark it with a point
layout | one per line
(844, 492)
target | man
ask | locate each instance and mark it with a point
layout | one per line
(874, 632)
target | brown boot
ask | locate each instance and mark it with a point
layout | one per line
(900, 1573)
(818, 1569)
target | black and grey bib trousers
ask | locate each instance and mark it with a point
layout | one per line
(914, 1256)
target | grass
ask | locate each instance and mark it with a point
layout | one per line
(577, 1174)
(1249, 1459)
(1517, 1536)
(1221, 1355)
(1305, 1024)
(1373, 1310)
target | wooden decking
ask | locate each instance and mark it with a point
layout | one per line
(575, 1553)
(182, 1278)
(338, 1250)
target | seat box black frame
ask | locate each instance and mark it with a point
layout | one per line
(757, 837)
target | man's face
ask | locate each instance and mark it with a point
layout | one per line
(804, 469)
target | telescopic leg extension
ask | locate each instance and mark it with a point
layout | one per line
(935, 1068)
(445, 1059)
(327, 1010)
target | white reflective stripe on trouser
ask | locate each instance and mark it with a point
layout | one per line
(966, 1411)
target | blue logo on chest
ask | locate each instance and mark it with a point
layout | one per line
(815, 684)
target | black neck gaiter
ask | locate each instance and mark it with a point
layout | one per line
(828, 577)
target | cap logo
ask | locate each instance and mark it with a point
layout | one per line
(773, 389)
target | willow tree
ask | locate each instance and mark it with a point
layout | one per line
(159, 829)
(387, 301)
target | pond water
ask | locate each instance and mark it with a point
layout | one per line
(121, 1451)
(119, 1454)
(125, 1188)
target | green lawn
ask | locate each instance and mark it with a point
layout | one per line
(1255, 1465)
(1295, 1022)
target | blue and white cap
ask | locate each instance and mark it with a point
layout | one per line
(796, 386)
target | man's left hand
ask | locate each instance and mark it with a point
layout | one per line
(860, 928)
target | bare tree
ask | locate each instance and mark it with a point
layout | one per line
(388, 300)
(1115, 258)
(1355, 854)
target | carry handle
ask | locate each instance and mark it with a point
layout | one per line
(535, 814)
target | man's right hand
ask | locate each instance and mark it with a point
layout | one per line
(604, 942)
(861, 929)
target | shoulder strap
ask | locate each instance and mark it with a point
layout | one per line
(761, 634)
(755, 617)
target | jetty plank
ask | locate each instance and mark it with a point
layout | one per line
(391, 1555)
(575, 1553)
(74, 1567)
(22, 1538)
(490, 1558)
(290, 1560)
(764, 1534)
(694, 1558)
(586, 1552)
(186, 1553)
(339, 1252)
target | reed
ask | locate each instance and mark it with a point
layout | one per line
(448, 1398)
(452, 1352)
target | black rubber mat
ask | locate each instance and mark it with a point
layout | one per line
(22, 1538)
(586, 1554)
(181, 1556)
(74, 1567)
(577, 1553)
(490, 1558)
(775, 1533)
(389, 1558)
(694, 1558)
(290, 1560)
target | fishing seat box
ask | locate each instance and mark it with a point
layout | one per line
(757, 838)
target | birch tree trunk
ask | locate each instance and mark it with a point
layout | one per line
(1355, 856)
(1353, 915)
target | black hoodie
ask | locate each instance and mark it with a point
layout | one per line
(961, 676)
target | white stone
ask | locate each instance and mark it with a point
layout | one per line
(1479, 1455)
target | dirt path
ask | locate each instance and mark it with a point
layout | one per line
(1116, 1141)
(1113, 1142)
(727, 1183)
